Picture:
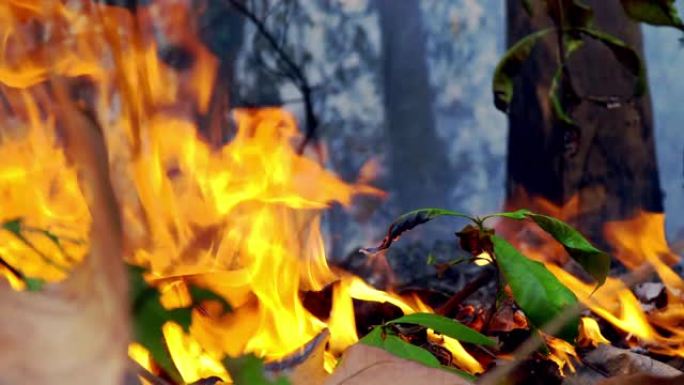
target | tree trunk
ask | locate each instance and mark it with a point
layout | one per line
(607, 169)
(418, 161)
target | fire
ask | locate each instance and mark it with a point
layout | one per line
(590, 333)
(639, 243)
(241, 218)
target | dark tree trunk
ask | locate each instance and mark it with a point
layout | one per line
(418, 161)
(609, 164)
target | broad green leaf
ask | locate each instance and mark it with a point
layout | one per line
(518, 214)
(378, 339)
(509, 67)
(655, 12)
(249, 370)
(408, 221)
(535, 289)
(403, 349)
(374, 338)
(593, 260)
(446, 326)
(149, 316)
(625, 54)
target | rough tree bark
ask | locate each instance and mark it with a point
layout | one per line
(610, 166)
(418, 161)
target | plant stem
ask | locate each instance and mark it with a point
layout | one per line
(449, 308)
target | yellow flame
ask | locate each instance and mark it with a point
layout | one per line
(590, 333)
(562, 353)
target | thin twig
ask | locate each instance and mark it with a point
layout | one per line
(448, 309)
(294, 72)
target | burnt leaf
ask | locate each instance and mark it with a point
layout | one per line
(535, 289)
(594, 261)
(407, 222)
(446, 326)
(249, 370)
(655, 12)
(625, 54)
(148, 316)
(509, 67)
(475, 240)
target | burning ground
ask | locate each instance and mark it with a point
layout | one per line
(108, 180)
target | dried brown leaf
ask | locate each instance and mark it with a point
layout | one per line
(366, 365)
(74, 332)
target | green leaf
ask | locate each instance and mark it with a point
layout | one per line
(446, 326)
(249, 370)
(593, 260)
(403, 349)
(431, 260)
(149, 315)
(625, 54)
(518, 214)
(556, 89)
(13, 226)
(535, 289)
(34, 284)
(374, 338)
(377, 338)
(408, 221)
(398, 347)
(200, 294)
(509, 67)
(655, 12)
